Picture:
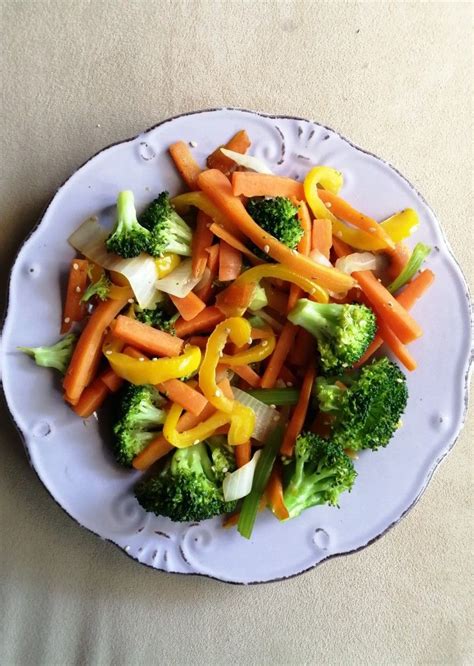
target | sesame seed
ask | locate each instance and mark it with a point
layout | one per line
(154, 359)
(273, 406)
(130, 300)
(339, 234)
(328, 204)
(372, 230)
(196, 441)
(390, 305)
(221, 354)
(294, 251)
(108, 352)
(141, 358)
(264, 343)
(78, 290)
(67, 320)
(227, 331)
(75, 266)
(218, 393)
(266, 249)
(225, 470)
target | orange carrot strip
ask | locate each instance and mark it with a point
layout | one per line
(111, 380)
(184, 395)
(394, 344)
(249, 375)
(322, 236)
(304, 246)
(198, 341)
(213, 260)
(274, 492)
(156, 449)
(299, 413)
(287, 376)
(407, 299)
(91, 398)
(398, 260)
(189, 306)
(145, 337)
(262, 185)
(386, 306)
(235, 298)
(88, 351)
(202, 239)
(239, 143)
(74, 310)
(230, 239)
(242, 453)
(343, 210)
(277, 299)
(204, 322)
(279, 355)
(303, 349)
(230, 262)
(187, 166)
(218, 189)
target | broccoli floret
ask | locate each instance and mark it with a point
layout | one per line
(343, 332)
(100, 289)
(168, 231)
(139, 416)
(128, 238)
(158, 318)
(222, 456)
(328, 395)
(186, 488)
(57, 356)
(370, 408)
(278, 217)
(320, 472)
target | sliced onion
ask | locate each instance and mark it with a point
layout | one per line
(266, 417)
(358, 261)
(247, 161)
(319, 258)
(89, 239)
(180, 281)
(239, 483)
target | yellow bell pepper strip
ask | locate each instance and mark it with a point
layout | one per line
(153, 371)
(199, 200)
(253, 354)
(401, 225)
(281, 272)
(118, 293)
(166, 264)
(195, 435)
(332, 180)
(242, 419)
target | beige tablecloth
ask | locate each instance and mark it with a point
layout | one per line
(397, 79)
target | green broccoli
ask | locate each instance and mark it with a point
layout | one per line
(222, 456)
(168, 231)
(186, 489)
(139, 416)
(100, 289)
(57, 356)
(368, 412)
(278, 217)
(343, 332)
(128, 238)
(320, 472)
(328, 393)
(157, 317)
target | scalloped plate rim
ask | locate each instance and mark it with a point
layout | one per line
(465, 378)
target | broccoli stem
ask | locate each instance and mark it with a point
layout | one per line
(317, 318)
(282, 396)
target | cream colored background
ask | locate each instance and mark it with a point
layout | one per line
(397, 79)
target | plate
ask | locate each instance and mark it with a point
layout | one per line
(69, 454)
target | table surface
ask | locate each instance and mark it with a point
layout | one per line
(395, 78)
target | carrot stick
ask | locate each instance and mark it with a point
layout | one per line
(302, 350)
(235, 298)
(398, 260)
(394, 344)
(279, 355)
(262, 185)
(202, 239)
(242, 453)
(74, 310)
(145, 337)
(198, 341)
(304, 246)
(213, 260)
(287, 376)
(299, 413)
(204, 322)
(230, 239)
(187, 166)
(111, 380)
(246, 373)
(385, 305)
(189, 306)
(218, 189)
(344, 211)
(88, 351)
(239, 143)
(407, 299)
(277, 299)
(184, 395)
(230, 262)
(322, 236)
(91, 398)
(274, 492)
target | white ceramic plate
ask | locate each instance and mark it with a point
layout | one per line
(70, 455)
